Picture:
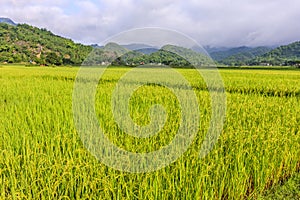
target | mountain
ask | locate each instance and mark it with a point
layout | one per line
(193, 57)
(25, 43)
(238, 55)
(168, 55)
(221, 55)
(147, 51)
(245, 57)
(7, 21)
(182, 57)
(105, 55)
(96, 46)
(114, 47)
(161, 56)
(171, 55)
(142, 48)
(136, 46)
(22, 43)
(210, 49)
(283, 55)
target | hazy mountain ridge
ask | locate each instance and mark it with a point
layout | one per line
(137, 46)
(7, 21)
(245, 57)
(226, 53)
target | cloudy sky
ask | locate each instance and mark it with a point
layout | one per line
(209, 22)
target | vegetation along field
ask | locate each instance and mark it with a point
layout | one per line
(42, 156)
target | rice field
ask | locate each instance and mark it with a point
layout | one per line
(43, 157)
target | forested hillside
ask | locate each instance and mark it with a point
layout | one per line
(283, 55)
(246, 57)
(28, 44)
(170, 55)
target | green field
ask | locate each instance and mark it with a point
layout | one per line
(42, 155)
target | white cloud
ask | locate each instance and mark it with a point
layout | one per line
(216, 22)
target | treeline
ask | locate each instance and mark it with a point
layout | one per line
(288, 55)
(245, 57)
(163, 57)
(170, 55)
(27, 44)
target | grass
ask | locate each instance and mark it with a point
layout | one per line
(289, 190)
(43, 157)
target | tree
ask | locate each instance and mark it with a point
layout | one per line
(53, 59)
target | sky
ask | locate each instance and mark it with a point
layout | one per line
(210, 22)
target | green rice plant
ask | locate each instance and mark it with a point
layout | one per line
(43, 157)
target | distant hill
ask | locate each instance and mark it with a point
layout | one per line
(25, 43)
(210, 49)
(136, 46)
(221, 55)
(238, 55)
(283, 55)
(114, 47)
(142, 48)
(7, 21)
(104, 55)
(163, 56)
(193, 57)
(168, 55)
(147, 51)
(96, 46)
(246, 56)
